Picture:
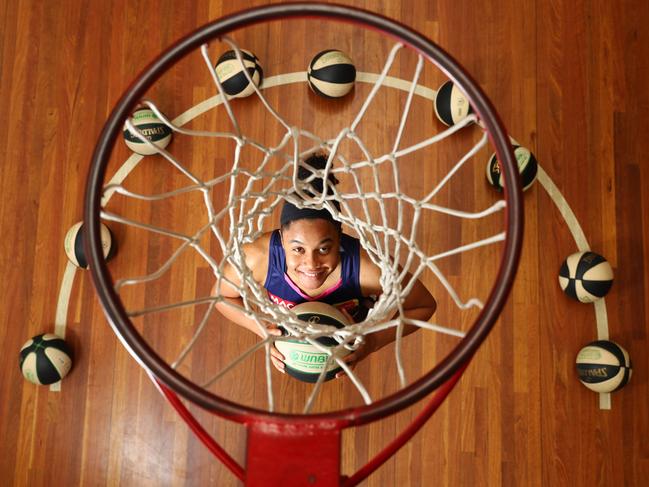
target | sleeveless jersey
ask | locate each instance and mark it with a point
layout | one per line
(345, 294)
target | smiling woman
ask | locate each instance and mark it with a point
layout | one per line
(310, 259)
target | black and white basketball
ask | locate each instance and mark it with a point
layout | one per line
(451, 105)
(74, 244)
(305, 361)
(586, 276)
(45, 359)
(603, 366)
(151, 127)
(331, 74)
(230, 72)
(527, 167)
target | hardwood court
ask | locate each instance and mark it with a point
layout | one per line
(569, 80)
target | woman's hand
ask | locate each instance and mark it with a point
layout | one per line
(275, 356)
(361, 353)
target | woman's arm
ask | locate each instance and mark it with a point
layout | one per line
(230, 293)
(419, 305)
(232, 306)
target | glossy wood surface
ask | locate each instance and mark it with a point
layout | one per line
(569, 79)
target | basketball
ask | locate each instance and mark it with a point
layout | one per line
(603, 366)
(231, 75)
(527, 167)
(45, 359)
(304, 361)
(586, 276)
(74, 244)
(152, 128)
(451, 105)
(331, 74)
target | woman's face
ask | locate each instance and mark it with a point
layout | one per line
(312, 248)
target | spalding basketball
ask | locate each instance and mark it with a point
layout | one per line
(603, 366)
(586, 276)
(45, 359)
(527, 167)
(151, 127)
(451, 105)
(74, 244)
(303, 360)
(331, 74)
(230, 72)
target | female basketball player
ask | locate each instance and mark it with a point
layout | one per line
(310, 259)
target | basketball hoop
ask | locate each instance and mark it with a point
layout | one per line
(313, 439)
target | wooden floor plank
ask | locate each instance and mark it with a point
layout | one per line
(569, 81)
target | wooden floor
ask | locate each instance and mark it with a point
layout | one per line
(569, 79)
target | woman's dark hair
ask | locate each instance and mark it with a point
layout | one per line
(290, 212)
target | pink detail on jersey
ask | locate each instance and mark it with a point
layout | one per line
(348, 306)
(279, 301)
(323, 294)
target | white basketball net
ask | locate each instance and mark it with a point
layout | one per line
(392, 245)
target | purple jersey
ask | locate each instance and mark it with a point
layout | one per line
(345, 294)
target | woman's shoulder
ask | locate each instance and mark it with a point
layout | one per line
(369, 275)
(256, 252)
